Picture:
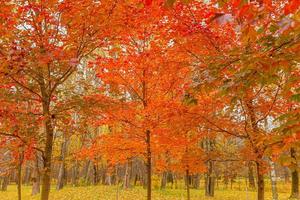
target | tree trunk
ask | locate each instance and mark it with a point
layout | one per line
(75, 174)
(295, 176)
(163, 182)
(19, 181)
(175, 181)
(126, 176)
(255, 129)
(108, 180)
(46, 181)
(26, 179)
(61, 173)
(117, 182)
(36, 178)
(260, 182)
(5, 182)
(286, 175)
(187, 178)
(95, 168)
(196, 181)
(209, 181)
(273, 181)
(295, 185)
(86, 172)
(149, 185)
(251, 175)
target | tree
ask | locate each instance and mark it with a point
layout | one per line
(43, 48)
(142, 80)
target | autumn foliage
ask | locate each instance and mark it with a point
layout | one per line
(175, 87)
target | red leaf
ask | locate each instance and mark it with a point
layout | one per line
(148, 2)
(292, 6)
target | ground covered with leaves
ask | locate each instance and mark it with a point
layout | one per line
(137, 193)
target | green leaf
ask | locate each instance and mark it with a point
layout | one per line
(296, 97)
(260, 30)
(273, 28)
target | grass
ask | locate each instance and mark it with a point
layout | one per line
(138, 193)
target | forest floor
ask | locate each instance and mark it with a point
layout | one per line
(138, 193)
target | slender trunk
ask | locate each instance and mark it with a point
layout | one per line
(210, 182)
(171, 179)
(135, 179)
(149, 185)
(26, 179)
(46, 180)
(104, 176)
(187, 176)
(273, 181)
(260, 182)
(163, 182)
(286, 175)
(86, 172)
(295, 176)
(126, 176)
(175, 181)
(226, 181)
(19, 181)
(117, 181)
(251, 175)
(255, 129)
(295, 185)
(60, 178)
(95, 168)
(108, 180)
(196, 181)
(5, 183)
(61, 173)
(36, 178)
(75, 174)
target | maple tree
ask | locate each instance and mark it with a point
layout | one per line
(146, 78)
(248, 64)
(43, 45)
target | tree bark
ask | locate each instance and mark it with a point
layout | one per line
(175, 181)
(62, 170)
(273, 178)
(19, 181)
(209, 181)
(26, 179)
(196, 181)
(187, 178)
(86, 172)
(163, 182)
(259, 154)
(5, 182)
(295, 176)
(75, 174)
(126, 176)
(95, 168)
(148, 164)
(36, 177)
(260, 182)
(251, 176)
(295, 185)
(46, 180)
(286, 175)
